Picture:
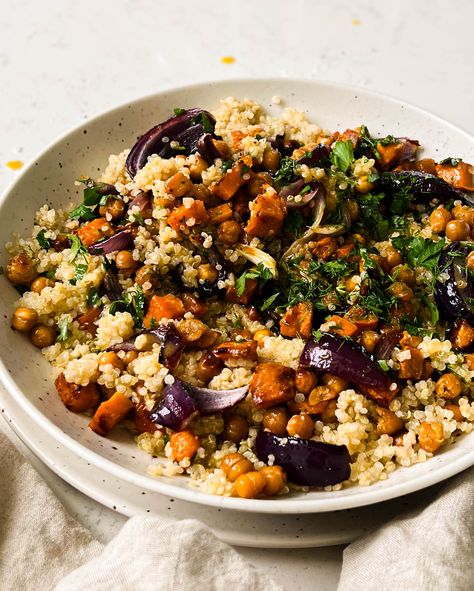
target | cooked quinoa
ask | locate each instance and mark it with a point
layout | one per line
(237, 287)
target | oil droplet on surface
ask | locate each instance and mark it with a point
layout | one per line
(227, 59)
(15, 164)
(355, 21)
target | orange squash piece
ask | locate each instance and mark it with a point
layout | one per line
(77, 398)
(297, 321)
(233, 179)
(168, 306)
(412, 368)
(459, 176)
(94, 231)
(110, 413)
(179, 216)
(266, 216)
(342, 326)
(272, 384)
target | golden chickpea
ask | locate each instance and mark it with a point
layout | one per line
(20, 270)
(470, 261)
(110, 358)
(40, 283)
(464, 213)
(430, 436)
(448, 386)
(125, 261)
(208, 367)
(353, 209)
(275, 421)
(208, 339)
(458, 230)
(42, 336)
(271, 160)
(197, 168)
(369, 340)
(235, 465)
(329, 413)
(24, 319)
(250, 485)
(392, 256)
(147, 278)
(401, 291)
(237, 428)
(363, 186)
(129, 357)
(456, 410)
(275, 480)
(202, 193)
(469, 361)
(257, 182)
(439, 218)
(260, 335)
(404, 274)
(387, 422)
(336, 383)
(115, 207)
(191, 329)
(229, 232)
(178, 185)
(208, 273)
(305, 380)
(300, 426)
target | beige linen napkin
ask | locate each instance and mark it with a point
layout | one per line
(42, 547)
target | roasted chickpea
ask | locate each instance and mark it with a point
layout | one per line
(353, 209)
(260, 336)
(469, 361)
(305, 380)
(257, 182)
(197, 168)
(115, 208)
(336, 383)
(208, 367)
(236, 429)
(42, 336)
(250, 485)
(329, 413)
(458, 230)
(208, 339)
(401, 291)
(464, 213)
(387, 421)
(191, 329)
(229, 232)
(392, 256)
(404, 274)
(223, 148)
(24, 319)
(235, 465)
(275, 480)
(275, 421)
(300, 426)
(40, 283)
(202, 193)
(369, 340)
(271, 159)
(363, 185)
(439, 218)
(193, 304)
(470, 261)
(207, 273)
(456, 410)
(111, 358)
(129, 357)
(147, 278)
(430, 436)
(20, 270)
(321, 394)
(125, 261)
(448, 386)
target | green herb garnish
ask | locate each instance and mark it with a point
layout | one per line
(44, 242)
(260, 272)
(342, 155)
(93, 297)
(451, 161)
(178, 111)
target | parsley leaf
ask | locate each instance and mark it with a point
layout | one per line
(81, 270)
(260, 272)
(63, 329)
(178, 111)
(269, 301)
(420, 252)
(286, 174)
(93, 297)
(42, 240)
(342, 155)
(79, 256)
(371, 217)
(450, 161)
(133, 302)
(388, 140)
(82, 213)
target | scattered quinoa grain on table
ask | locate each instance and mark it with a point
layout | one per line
(264, 305)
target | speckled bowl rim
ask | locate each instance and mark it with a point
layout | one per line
(364, 495)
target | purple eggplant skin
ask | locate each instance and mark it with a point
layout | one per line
(112, 287)
(422, 185)
(172, 345)
(207, 149)
(452, 300)
(316, 156)
(387, 343)
(119, 241)
(306, 462)
(176, 407)
(186, 129)
(345, 359)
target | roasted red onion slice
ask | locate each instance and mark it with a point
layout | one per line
(306, 462)
(315, 156)
(181, 401)
(454, 295)
(289, 193)
(345, 359)
(172, 344)
(207, 149)
(112, 288)
(119, 241)
(142, 201)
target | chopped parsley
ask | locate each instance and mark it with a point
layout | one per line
(260, 272)
(294, 223)
(420, 252)
(388, 140)
(44, 242)
(286, 174)
(450, 161)
(133, 302)
(268, 303)
(93, 197)
(342, 155)
(178, 111)
(93, 297)
(371, 216)
(79, 256)
(203, 119)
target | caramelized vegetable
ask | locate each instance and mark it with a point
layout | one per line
(266, 217)
(236, 350)
(160, 307)
(188, 216)
(272, 384)
(110, 413)
(459, 176)
(297, 321)
(77, 398)
(234, 178)
(94, 231)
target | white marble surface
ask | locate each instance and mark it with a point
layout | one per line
(63, 61)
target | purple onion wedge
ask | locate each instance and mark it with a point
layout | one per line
(181, 401)
(172, 344)
(142, 201)
(454, 294)
(186, 129)
(387, 343)
(207, 149)
(306, 462)
(315, 156)
(119, 241)
(289, 193)
(345, 359)
(112, 288)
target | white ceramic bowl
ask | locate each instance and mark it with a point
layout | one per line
(84, 151)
